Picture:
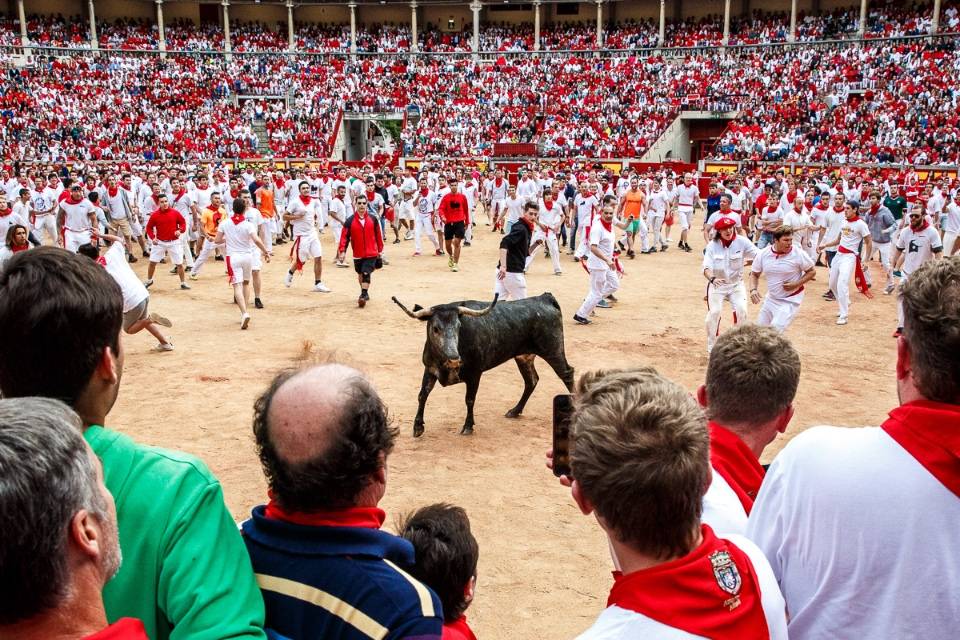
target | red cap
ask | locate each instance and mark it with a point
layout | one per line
(724, 223)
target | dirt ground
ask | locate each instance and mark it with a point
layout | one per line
(544, 568)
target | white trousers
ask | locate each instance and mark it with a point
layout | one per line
(841, 270)
(46, 223)
(654, 224)
(424, 226)
(582, 242)
(948, 239)
(267, 229)
(187, 254)
(205, 252)
(736, 297)
(885, 249)
(550, 239)
(512, 287)
(779, 313)
(603, 282)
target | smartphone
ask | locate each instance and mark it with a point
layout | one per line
(562, 414)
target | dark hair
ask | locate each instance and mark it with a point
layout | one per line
(88, 249)
(752, 375)
(783, 230)
(446, 553)
(333, 478)
(75, 306)
(12, 231)
(239, 206)
(931, 326)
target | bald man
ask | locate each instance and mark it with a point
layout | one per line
(325, 568)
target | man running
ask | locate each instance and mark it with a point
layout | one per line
(723, 262)
(918, 243)
(303, 211)
(454, 214)
(853, 233)
(788, 269)
(240, 237)
(364, 234)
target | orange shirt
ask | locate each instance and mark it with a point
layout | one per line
(210, 220)
(633, 203)
(267, 208)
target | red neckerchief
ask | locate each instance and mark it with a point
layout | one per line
(365, 517)
(498, 182)
(72, 201)
(306, 200)
(930, 432)
(791, 197)
(279, 182)
(102, 261)
(237, 218)
(874, 208)
(735, 462)
(548, 205)
(112, 191)
(234, 193)
(16, 248)
(527, 223)
(424, 192)
(838, 209)
(688, 593)
(853, 219)
(923, 226)
(778, 255)
(371, 195)
(6, 212)
(607, 225)
(179, 195)
(156, 200)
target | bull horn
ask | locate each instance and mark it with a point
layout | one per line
(476, 313)
(422, 314)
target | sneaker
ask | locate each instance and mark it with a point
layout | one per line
(408, 236)
(288, 280)
(396, 241)
(257, 303)
(576, 259)
(322, 288)
(687, 247)
(455, 267)
(173, 271)
(416, 253)
(466, 244)
(603, 304)
(188, 269)
(148, 283)
(580, 320)
(194, 277)
(384, 260)
(612, 298)
(342, 264)
(156, 318)
(842, 320)
(889, 289)
(146, 254)
(361, 302)
(663, 248)
(438, 252)
(898, 332)
(131, 258)
(218, 258)
(558, 272)
(450, 262)
(829, 296)
(164, 346)
(184, 286)
(244, 320)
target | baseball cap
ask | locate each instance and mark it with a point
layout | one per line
(724, 223)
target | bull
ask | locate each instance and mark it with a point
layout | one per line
(466, 338)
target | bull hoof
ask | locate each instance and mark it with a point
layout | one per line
(417, 430)
(467, 430)
(513, 413)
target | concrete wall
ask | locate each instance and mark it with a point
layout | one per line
(461, 15)
(269, 14)
(324, 14)
(385, 14)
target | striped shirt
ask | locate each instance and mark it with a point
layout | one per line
(338, 582)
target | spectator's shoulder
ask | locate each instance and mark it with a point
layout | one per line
(826, 446)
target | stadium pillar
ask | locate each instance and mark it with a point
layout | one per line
(934, 24)
(291, 36)
(226, 25)
(353, 27)
(599, 23)
(161, 36)
(862, 27)
(536, 25)
(413, 28)
(22, 15)
(793, 22)
(726, 22)
(94, 44)
(662, 40)
(476, 7)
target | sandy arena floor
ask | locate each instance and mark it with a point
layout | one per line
(544, 568)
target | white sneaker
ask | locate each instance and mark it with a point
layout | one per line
(408, 235)
(184, 285)
(841, 320)
(164, 346)
(244, 320)
(288, 280)
(322, 288)
(147, 283)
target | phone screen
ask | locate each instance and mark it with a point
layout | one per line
(562, 413)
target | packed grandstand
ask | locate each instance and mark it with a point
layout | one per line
(887, 97)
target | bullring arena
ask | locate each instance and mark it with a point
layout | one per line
(367, 86)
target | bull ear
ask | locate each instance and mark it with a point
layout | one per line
(416, 308)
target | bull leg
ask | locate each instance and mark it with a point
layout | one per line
(426, 386)
(562, 368)
(530, 378)
(473, 385)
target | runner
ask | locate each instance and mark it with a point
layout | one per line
(76, 219)
(303, 211)
(787, 269)
(455, 216)
(724, 259)
(424, 202)
(364, 234)
(164, 229)
(210, 219)
(240, 237)
(633, 204)
(546, 228)
(853, 234)
(601, 264)
(918, 243)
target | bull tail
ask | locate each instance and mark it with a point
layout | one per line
(548, 297)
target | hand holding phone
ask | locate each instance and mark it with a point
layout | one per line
(562, 415)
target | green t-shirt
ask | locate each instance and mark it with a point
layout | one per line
(896, 206)
(185, 571)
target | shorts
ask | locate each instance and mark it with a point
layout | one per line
(122, 227)
(308, 248)
(136, 314)
(239, 267)
(406, 210)
(686, 218)
(453, 230)
(633, 227)
(365, 266)
(160, 249)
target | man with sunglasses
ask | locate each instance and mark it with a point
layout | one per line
(919, 242)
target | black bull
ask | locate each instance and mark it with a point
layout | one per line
(466, 338)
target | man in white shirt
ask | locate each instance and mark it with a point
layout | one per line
(658, 203)
(546, 230)
(787, 269)
(918, 243)
(860, 525)
(723, 261)
(641, 466)
(513, 206)
(604, 275)
(425, 202)
(77, 219)
(688, 199)
(951, 226)
(241, 237)
(854, 232)
(584, 204)
(303, 213)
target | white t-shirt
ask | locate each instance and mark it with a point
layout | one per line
(852, 234)
(604, 240)
(514, 208)
(306, 225)
(832, 221)
(919, 247)
(658, 202)
(687, 196)
(952, 224)
(8, 221)
(781, 269)
(722, 509)
(727, 262)
(717, 215)
(585, 207)
(861, 538)
(617, 623)
(550, 217)
(738, 201)
(77, 214)
(131, 288)
(238, 237)
(498, 191)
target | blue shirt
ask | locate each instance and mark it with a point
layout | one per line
(338, 582)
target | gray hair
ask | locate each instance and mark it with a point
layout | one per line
(46, 477)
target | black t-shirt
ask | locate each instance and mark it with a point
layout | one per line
(517, 244)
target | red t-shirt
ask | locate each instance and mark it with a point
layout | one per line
(453, 208)
(164, 223)
(457, 630)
